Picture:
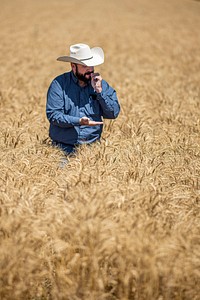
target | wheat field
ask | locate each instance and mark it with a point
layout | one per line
(121, 220)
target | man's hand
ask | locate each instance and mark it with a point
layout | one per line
(87, 121)
(96, 82)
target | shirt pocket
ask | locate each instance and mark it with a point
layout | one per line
(92, 109)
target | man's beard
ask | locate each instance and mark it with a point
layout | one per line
(82, 77)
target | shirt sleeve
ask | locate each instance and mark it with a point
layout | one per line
(55, 107)
(108, 101)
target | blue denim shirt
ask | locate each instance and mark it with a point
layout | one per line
(67, 102)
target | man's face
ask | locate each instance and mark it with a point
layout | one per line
(83, 73)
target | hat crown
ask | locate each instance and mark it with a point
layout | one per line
(80, 51)
(84, 55)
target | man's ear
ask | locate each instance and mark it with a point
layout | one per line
(73, 66)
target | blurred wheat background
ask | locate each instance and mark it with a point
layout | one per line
(122, 219)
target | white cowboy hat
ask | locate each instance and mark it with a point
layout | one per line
(84, 55)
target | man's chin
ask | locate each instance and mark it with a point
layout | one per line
(84, 78)
(87, 79)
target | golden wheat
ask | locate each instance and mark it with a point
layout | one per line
(120, 220)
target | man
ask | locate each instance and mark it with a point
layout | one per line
(77, 100)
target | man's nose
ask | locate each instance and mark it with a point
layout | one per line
(90, 69)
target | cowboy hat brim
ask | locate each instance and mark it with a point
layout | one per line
(96, 59)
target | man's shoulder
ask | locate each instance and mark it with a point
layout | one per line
(62, 77)
(61, 81)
